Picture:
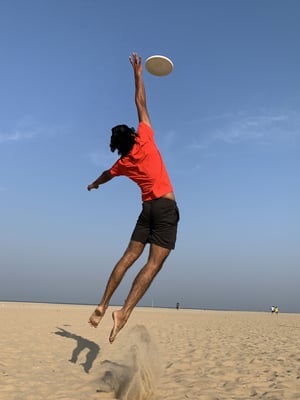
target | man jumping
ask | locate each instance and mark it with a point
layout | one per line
(141, 161)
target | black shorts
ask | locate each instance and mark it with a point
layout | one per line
(157, 223)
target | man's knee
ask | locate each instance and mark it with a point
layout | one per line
(158, 254)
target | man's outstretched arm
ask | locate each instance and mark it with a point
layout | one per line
(103, 178)
(140, 93)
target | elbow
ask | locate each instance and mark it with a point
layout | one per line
(107, 175)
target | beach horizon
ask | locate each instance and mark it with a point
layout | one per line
(181, 307)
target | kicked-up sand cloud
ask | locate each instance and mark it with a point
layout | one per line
(135, 372)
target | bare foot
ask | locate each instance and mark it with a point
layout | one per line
(119, 322)
(97, 315)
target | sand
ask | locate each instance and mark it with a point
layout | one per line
(49, 351)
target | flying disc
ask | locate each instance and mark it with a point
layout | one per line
(159, 65)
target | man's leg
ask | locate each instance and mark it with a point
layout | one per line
(157, 256)
(132, 253)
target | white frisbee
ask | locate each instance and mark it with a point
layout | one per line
(159, 65)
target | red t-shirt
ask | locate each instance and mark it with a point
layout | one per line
(144, 165)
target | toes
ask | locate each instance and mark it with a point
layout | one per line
(112, 336)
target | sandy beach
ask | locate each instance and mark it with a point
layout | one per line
(48, 351)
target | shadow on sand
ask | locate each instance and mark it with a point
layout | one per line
(82, 344)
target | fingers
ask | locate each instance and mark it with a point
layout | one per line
(92, 186)
(135, 59)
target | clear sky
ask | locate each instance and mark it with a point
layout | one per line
(227, 121)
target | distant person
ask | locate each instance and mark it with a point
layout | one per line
(141, 161)
(276, 310)
(273, 309)
(177, 306)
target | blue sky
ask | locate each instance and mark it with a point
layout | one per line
(227, 121)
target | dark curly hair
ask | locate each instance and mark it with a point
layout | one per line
(122, 139)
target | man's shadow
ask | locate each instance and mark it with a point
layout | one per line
(93, 348)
